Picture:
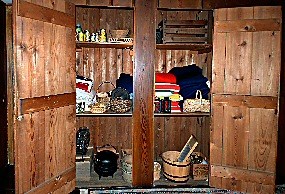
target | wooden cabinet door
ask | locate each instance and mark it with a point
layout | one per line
(245, 94)
(44, 76)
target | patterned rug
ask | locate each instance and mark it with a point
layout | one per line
(158, 190)
(280, 189)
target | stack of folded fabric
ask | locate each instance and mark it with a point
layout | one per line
(190, 79)
(166, 88)
(84, 92)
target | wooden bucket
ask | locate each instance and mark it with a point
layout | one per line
(174, 170)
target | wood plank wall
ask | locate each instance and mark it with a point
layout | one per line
(3, 90)
(171, 133)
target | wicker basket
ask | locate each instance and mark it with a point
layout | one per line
(173, 170)
(103, 97)
(119, 33)
(98, 108)
(120, 106)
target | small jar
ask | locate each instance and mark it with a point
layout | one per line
(166, 105)
(157, 105)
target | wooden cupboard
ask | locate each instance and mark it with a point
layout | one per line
(245, 93)
(44, 145)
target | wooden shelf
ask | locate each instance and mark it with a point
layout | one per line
(118, 45)
(118, 182)
(129, 114)
(89, 114)
(182, 114)
(196, 48)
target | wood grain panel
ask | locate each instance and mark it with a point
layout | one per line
(159, 141)
(266, 63)
(37, 66)
(180, 4)
(123, 3)
(238, 63)
(56, 182)
(248, 25)
(39, 147)
(44, 14)
(10, 81)
(214, 4)
(49, 59)
(239, 13)
(260, 188)
(23, 53)
(70, 135)
(234, 185)
(240, 174)
(46, 102)
(267, 12)
(281, 119)
(99, 2)
(78, 2)
(265, 102)
(262, 140)
(235, 136)
(219, 62)
(70, 74)
(172, 134)
(124, 133)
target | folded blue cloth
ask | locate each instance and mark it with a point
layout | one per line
(125, 81)
(190, 79)
(185, 71)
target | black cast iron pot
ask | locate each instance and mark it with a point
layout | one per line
(105, 163)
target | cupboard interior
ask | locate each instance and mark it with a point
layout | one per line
(106, 64)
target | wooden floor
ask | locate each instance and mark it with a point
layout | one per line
(117, 181)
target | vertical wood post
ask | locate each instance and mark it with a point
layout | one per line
(144, 56)
(280, 168)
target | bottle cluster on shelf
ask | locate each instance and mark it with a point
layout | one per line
(100, 36)
(86, 36)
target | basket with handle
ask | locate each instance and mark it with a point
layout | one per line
(120, 101)
(102, 99)
(196, 105)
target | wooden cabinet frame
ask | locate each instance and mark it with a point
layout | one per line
(143, 114)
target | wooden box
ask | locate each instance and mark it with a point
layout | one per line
(184, 31)
(199, 171)
(84, 164)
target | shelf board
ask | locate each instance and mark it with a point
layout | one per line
(196, 48)
(129, 114)
(117, 181)
(182, 114)
(118, 45)
(108, 114)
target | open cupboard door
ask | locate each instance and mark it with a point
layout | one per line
(245, 95)
(44, 75)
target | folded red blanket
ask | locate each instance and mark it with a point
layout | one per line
(165, 77)
(83, 86)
